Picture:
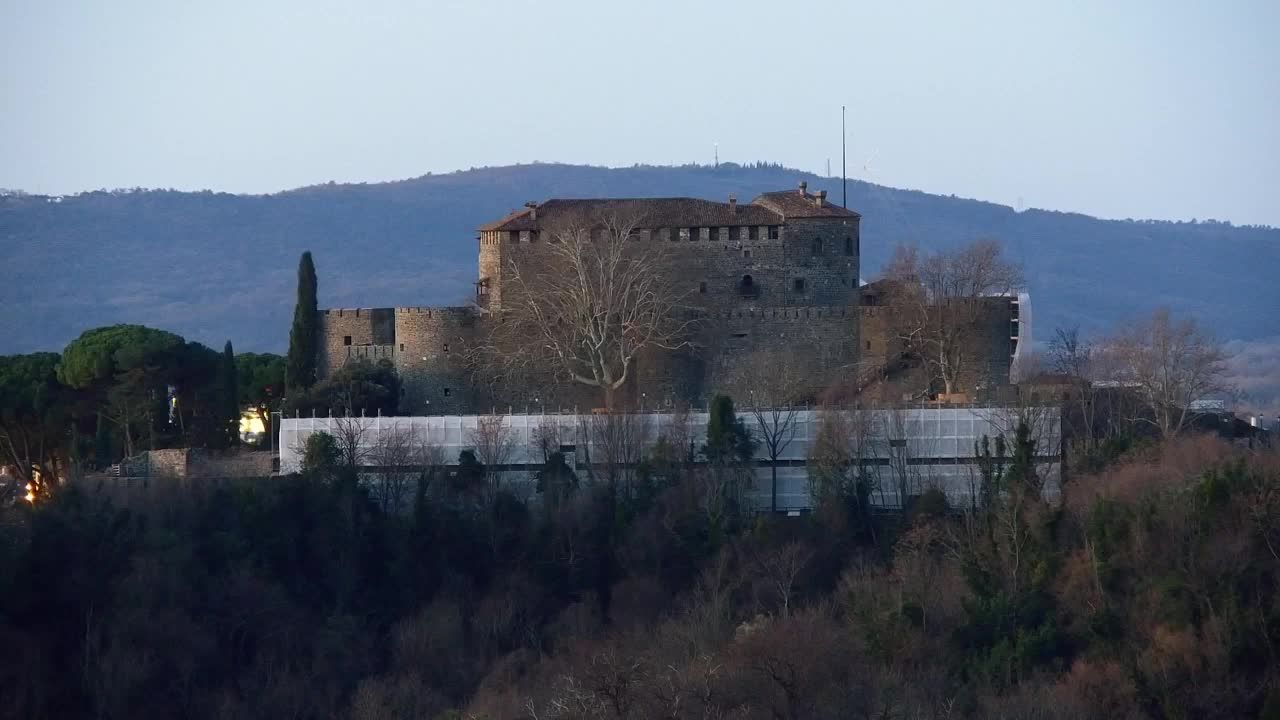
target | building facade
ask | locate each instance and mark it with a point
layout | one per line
(778, 272)
(903, 452)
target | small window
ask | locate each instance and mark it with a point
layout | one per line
(702, 288)
(346, 339)
(446, 392)
(773, 232)
(748, 283)
(753, 233)
(868, 344)
(713, 234)
(446, 347)
(514, 236)
(816, 248)
(746, 253)
(848, 246)
(798, 284)
(401, 347)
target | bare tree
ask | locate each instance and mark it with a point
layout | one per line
(1076, 358)
(546, 438)
(780, 567)
(587, 303)
(897, 450)
(395, 455)
(772, 383)
(846, 450)
(1172, 364)
(351, 435)
(430, 462)
(493, 441)
(938, 302)
(619, 440)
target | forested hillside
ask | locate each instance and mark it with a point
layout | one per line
(1151, 592)
(212, 266)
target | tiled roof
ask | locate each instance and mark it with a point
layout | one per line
(801, 204)
(650, 213)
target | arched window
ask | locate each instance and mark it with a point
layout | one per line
(748, 282)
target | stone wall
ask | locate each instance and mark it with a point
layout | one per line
(822, 262)
(490, 266)
(989, 351)
(431, 350)
(796, 290)
(341, 330)
(186, 464)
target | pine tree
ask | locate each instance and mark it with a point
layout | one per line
(300, 366)
(230, 394)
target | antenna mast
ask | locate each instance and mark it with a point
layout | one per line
(844, 183)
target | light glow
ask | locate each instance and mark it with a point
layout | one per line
(251, 422)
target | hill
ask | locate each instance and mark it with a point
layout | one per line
(215, 265)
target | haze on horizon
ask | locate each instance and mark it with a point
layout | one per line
(1161, 110)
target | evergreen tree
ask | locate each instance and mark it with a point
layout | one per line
(300, 366)
(727, 436)
(230, 394)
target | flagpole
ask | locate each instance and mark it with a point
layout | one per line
(844, 175)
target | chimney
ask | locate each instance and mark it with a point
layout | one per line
(533, 210)
(804, 189)
(822, 198)
(733, 203)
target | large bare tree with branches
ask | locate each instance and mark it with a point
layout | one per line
(938, 303)
(773, 386)
(1172, 363)
(586, 302)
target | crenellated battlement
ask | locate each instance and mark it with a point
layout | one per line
(448, 312)
(784, 265)
(778, 313)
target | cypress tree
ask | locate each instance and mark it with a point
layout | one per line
(300, 365)
(230, 395)
(727, 436)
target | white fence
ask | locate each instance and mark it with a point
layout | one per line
(915, 447)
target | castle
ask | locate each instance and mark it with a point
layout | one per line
(780, 272)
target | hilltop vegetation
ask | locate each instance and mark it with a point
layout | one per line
(1152, 592)
(213, 265)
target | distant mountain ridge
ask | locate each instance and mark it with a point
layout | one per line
(213, 266)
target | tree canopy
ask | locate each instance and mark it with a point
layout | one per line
(300, 366)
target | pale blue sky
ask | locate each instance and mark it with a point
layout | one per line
(1118, 109)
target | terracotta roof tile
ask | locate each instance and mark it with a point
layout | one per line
(652, 213)
(800, 204)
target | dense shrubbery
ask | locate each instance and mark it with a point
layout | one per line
(1150, 591)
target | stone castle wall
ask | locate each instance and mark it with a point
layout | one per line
(431, 350)
(809, 263)
(791, 287)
